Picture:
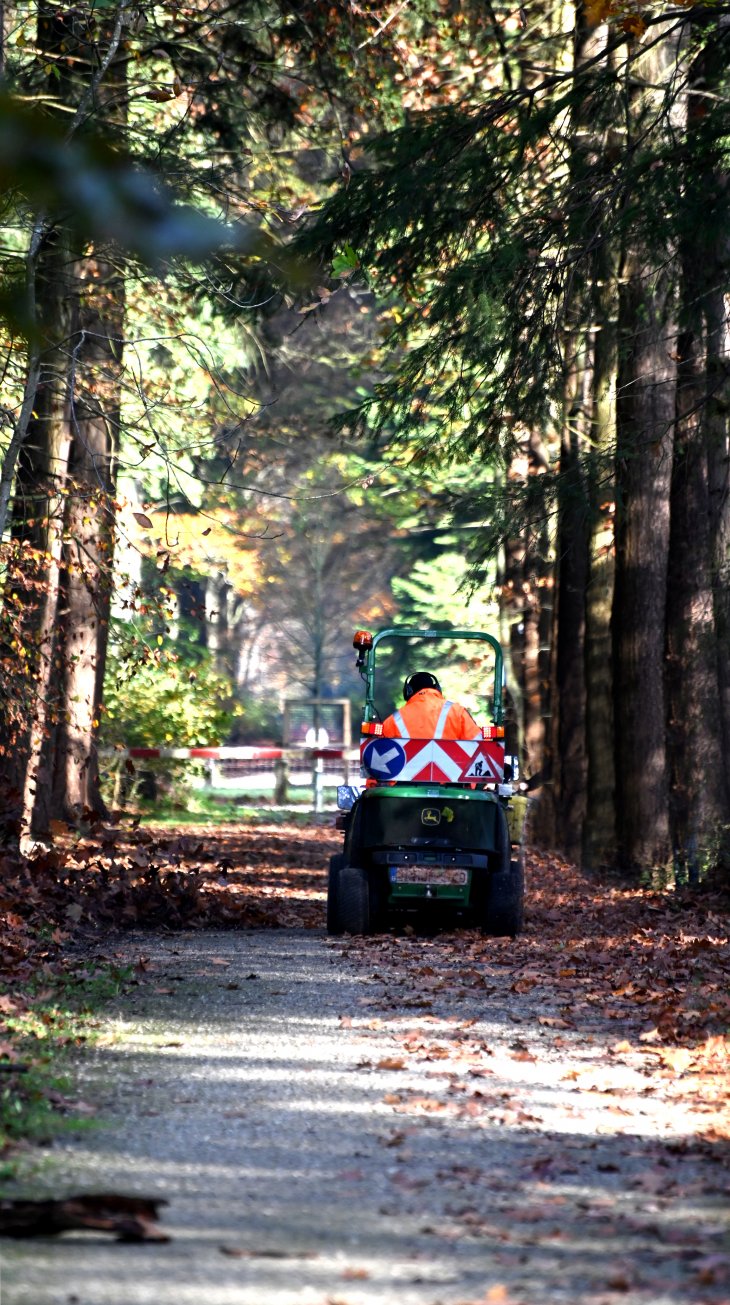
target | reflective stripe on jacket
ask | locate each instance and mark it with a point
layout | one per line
(428, 715)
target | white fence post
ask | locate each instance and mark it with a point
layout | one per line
(317, 783)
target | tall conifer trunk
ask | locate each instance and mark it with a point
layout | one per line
(645, 414)
(571, 584)
(526, 623)
(699, 799)
(573, 557)
(645, 428)
(716, 416)
(695, 729)
(599, 837)
(717, 427)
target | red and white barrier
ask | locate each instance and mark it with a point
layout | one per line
(228, 753)
(286, 763)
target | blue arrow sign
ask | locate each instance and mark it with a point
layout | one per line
(383, 758)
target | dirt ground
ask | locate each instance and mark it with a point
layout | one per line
(428, 1120)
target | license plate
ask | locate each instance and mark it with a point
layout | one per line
(430, 874)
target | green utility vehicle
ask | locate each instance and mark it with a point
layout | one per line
(429, 832)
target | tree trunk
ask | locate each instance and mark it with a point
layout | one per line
(89, 531)
(645, 421)
(694, 723)
(511, 631)
(717, 428)
(599, 837)
(571, 582)
(65, 471)
(526, 621)
(699, 794)
(37, 522)
(521, 632)
(645, 414)
(716, 417)
(573, 655)
(218, 633)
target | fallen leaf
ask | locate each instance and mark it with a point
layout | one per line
(676, 1058)
(426, 1103)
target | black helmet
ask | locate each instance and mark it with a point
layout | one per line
(420, 680)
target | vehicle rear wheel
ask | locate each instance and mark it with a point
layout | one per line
(358, 901)
(337, 863)
(504, 903)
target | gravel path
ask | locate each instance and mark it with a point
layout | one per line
(325, 1135)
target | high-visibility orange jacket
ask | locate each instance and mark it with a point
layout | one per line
(428, 715)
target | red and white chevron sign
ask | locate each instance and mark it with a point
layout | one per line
(433, 761)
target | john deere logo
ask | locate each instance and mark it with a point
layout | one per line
(430, 816)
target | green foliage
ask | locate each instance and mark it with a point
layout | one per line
(345, 262)
(439, 592)
(157, 699)
(258, 717)
(484, 227)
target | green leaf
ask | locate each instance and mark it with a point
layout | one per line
(345, 262)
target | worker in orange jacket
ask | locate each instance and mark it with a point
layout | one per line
(427, 714)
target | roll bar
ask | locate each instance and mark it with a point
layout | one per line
(396, 632)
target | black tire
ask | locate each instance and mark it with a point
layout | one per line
(355, 901)
(505, 897)
(337, 863)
